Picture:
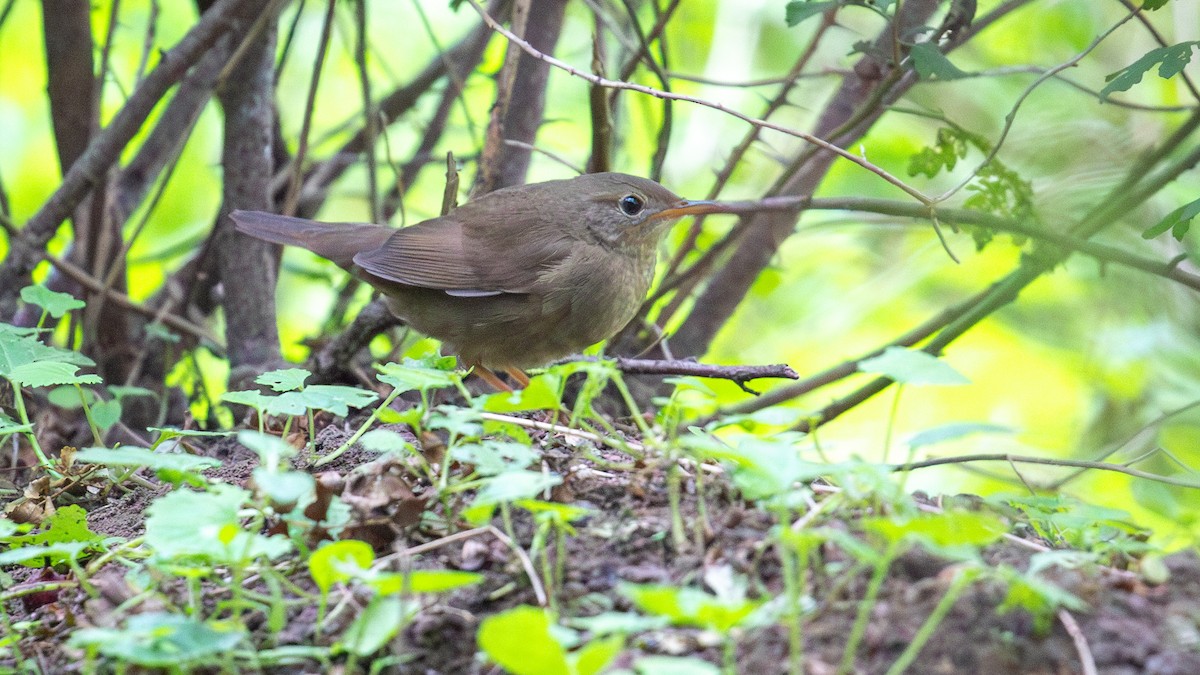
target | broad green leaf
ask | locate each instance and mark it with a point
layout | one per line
(66, 526)
(955, 430)
(424, 581)
(1178, 222)
(762, 468)
(287, 404)
(553, 511)
(19, 348)
(595, 656)
(912, 366)
(254, 399)
(797, 11)
(10, 426)
(955, 534)
(541, 394)
(513, 485)
(1170, 61)
(284, 489)
(410, 376)
(55, 303)
(47, 373)
(337, 399)
(459, 422)
(174, 467)
(334, 562)
(686, 606)
(491, 457)
(187, 524)
(377, 624)
(106, 413)
(287, 379)
(384, 440)
(40, 556)
(272, 451)
(160, 640)
(931, 64)
(519, 640)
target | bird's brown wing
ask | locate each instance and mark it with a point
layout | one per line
(480, 260)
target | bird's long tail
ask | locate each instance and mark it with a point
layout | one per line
(339, 242)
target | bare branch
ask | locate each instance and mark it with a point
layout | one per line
(658, 93)
(737, 374)
(1048, 461)
(105, 149)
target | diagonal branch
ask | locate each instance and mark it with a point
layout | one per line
(105, 150)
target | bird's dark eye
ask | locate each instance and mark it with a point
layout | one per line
(631, 205)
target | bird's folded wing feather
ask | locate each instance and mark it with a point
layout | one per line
(440, 254)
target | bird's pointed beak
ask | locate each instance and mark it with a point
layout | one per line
(688, 207)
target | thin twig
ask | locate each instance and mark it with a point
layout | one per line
(1050, 461)
(293, 194)
(658, 93)
(1087, 662)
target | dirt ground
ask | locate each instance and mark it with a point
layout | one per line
(1130, 626)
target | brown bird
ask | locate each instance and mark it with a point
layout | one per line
(516, 278)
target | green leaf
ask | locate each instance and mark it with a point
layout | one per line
(1154, 4)
(513, 485)
(385, 440)
(554, 512)
(55, 303)
(595, 656)
(254, 399)
(160, 640)
(519, 640)
(106, 413)
(173, 467)
(931, 64)
(377, 624)
(762, 468)
(336, 562)
(541, 394)
(10, 426)
(688, 606)
(1178, 222)
(459, 422)
(798, 11)
(954, 534)
(1170, 60)
(625, 623)
(206, 526)
(912, 366)
(272, 451)
(337, 399)
(67, 525)
(955, 430)
(287, 379)
(414, 375)
(424, 581)
(287, 404)
(47, 373)
(284, 489)
(492, 457)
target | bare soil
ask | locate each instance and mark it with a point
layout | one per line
(1130, 626)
